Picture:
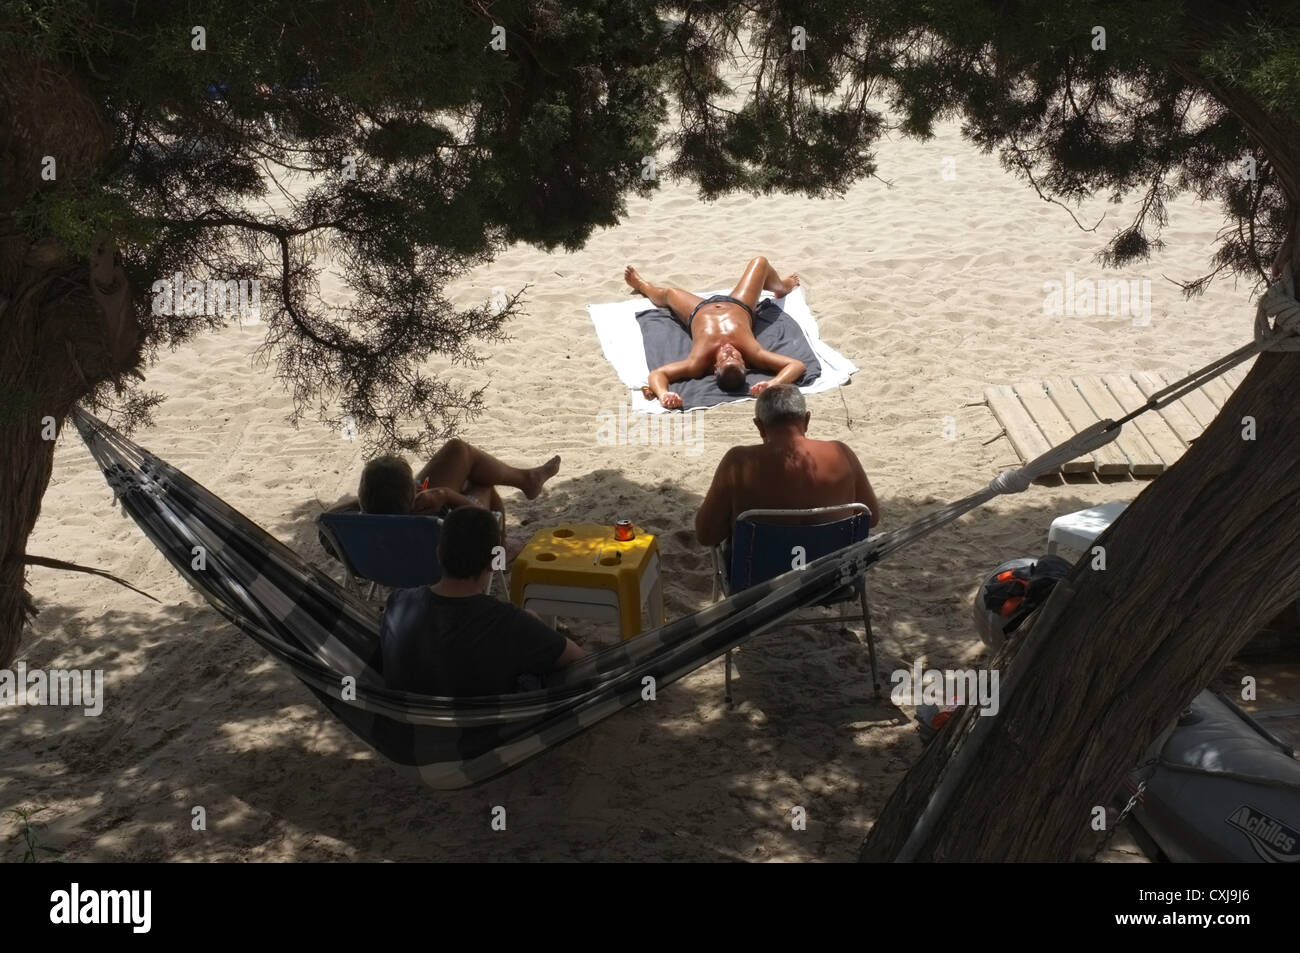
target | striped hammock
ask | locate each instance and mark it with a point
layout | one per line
(329, 638)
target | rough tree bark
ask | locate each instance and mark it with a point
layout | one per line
(68, 322)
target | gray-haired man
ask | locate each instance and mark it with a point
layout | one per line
(788, 470)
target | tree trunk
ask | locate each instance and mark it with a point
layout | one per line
(60, 343)
(1199, 562)
(69, 322)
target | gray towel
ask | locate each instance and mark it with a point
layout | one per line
(667, 341)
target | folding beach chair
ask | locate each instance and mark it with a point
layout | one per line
(764, 544)
(399, 552)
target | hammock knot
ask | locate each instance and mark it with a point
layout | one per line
(1279, 302)
(1012, 481)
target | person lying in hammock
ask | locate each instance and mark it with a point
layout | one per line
(451, 639)
(722, 334)
(788, 470)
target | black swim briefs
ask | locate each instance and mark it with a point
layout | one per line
(715, 298)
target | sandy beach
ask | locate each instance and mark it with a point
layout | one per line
(931, 281)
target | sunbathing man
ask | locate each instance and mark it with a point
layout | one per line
(788, 470)
(722, 334)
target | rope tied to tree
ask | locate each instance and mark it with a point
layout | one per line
(1279, 302)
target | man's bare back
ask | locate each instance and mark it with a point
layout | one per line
(788, 470)
(722, 334)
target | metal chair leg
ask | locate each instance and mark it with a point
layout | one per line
(726, 691)
(871, 637)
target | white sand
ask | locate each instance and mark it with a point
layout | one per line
(933, 287)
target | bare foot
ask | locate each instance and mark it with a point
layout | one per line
(538, 476)
(635, 281)
(789, 284)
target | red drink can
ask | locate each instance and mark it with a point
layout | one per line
(623, 531)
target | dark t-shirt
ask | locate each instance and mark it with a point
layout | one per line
(461, 647)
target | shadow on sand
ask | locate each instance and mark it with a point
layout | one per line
(198, 716)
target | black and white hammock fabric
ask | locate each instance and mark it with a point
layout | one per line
(329, 638)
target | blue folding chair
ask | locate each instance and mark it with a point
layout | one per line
(762, 547)
(400, 552)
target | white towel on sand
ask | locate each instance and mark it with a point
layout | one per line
(620, 339)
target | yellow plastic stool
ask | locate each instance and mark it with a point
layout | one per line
(581, 570)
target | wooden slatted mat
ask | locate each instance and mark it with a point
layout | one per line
(1218, 391)
(1110, 460)
(1199, 403)
(1040, 415)
(1186, 425)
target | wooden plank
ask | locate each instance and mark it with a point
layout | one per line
(1152, 426)
(1176, 415)
(1235, 376)
(1020, 427)
(1202, 407)
(1110, 459)
(1218, 391)
(1142, 457)
(1053, 424)
(1212, 394)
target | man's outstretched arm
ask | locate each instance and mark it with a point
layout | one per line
(788, 370)
(661, 378)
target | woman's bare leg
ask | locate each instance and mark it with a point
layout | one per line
(760, 276)
(459, 463)
(490, 498)
(678, 300)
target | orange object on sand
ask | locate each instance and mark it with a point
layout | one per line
(939, 720)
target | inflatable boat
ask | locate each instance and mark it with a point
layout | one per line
(1215, 786)
(1219, 787)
